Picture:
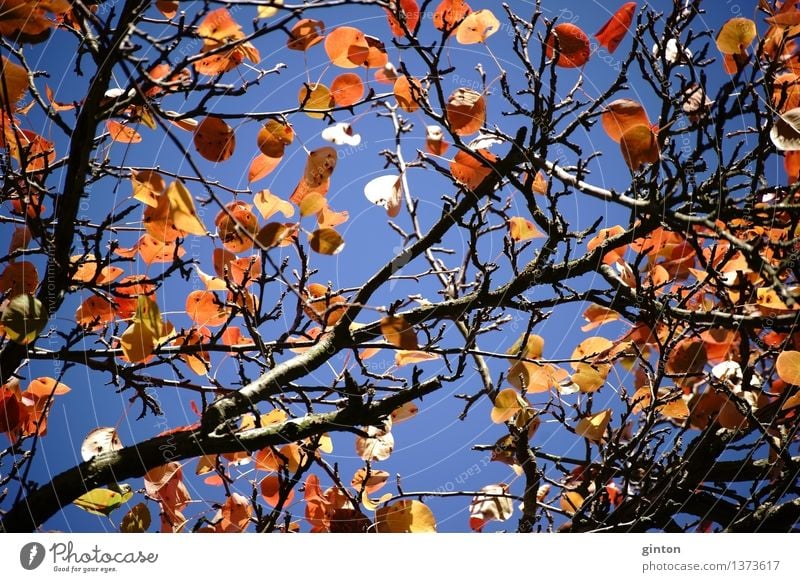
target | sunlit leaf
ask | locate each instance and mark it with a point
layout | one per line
(406, 357)
(477, 27)
(306, 33)
(407, 91)
(261, 166)
(205, 308)
(639, 147)
(386, 191)
(409, 11)
(148, 185)
(13, 82)
(376, 446)
(271, 487)
(621, 115)
(341, 134)
(736, 35)
(469, 171)
(449, 13)
(268, 204)
(787, 366)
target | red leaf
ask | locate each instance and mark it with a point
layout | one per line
(615, 29)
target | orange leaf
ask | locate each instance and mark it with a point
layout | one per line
(469, 171)
(449, 13)
(44, 386)
(338, 44)
(399, 333)
(17, 278)
(639, 147)
(347, 89)
(405, 357)
(261, 166)
(214, 139)
(305, 34)
(236, 226)
(407, 9)
(621, 115)
(271, 486)
(406, 96)
(205, 308)
(273, 138)
(466, 111)
(13, 82)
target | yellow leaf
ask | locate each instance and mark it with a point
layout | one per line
(736, 35)
(521, 229)
(477, 27)
(268, 204)
(405, 516)
(594, 427)
(373, 504)
(268, 11)
(182, 211)
(312, 204)
(787, 365)
(23, 318)
(405, 357)
(507, 403)
(104, 501)
(326, 241)
(138, 343)
(148, 185)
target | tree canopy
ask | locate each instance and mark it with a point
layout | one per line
(399, 266)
